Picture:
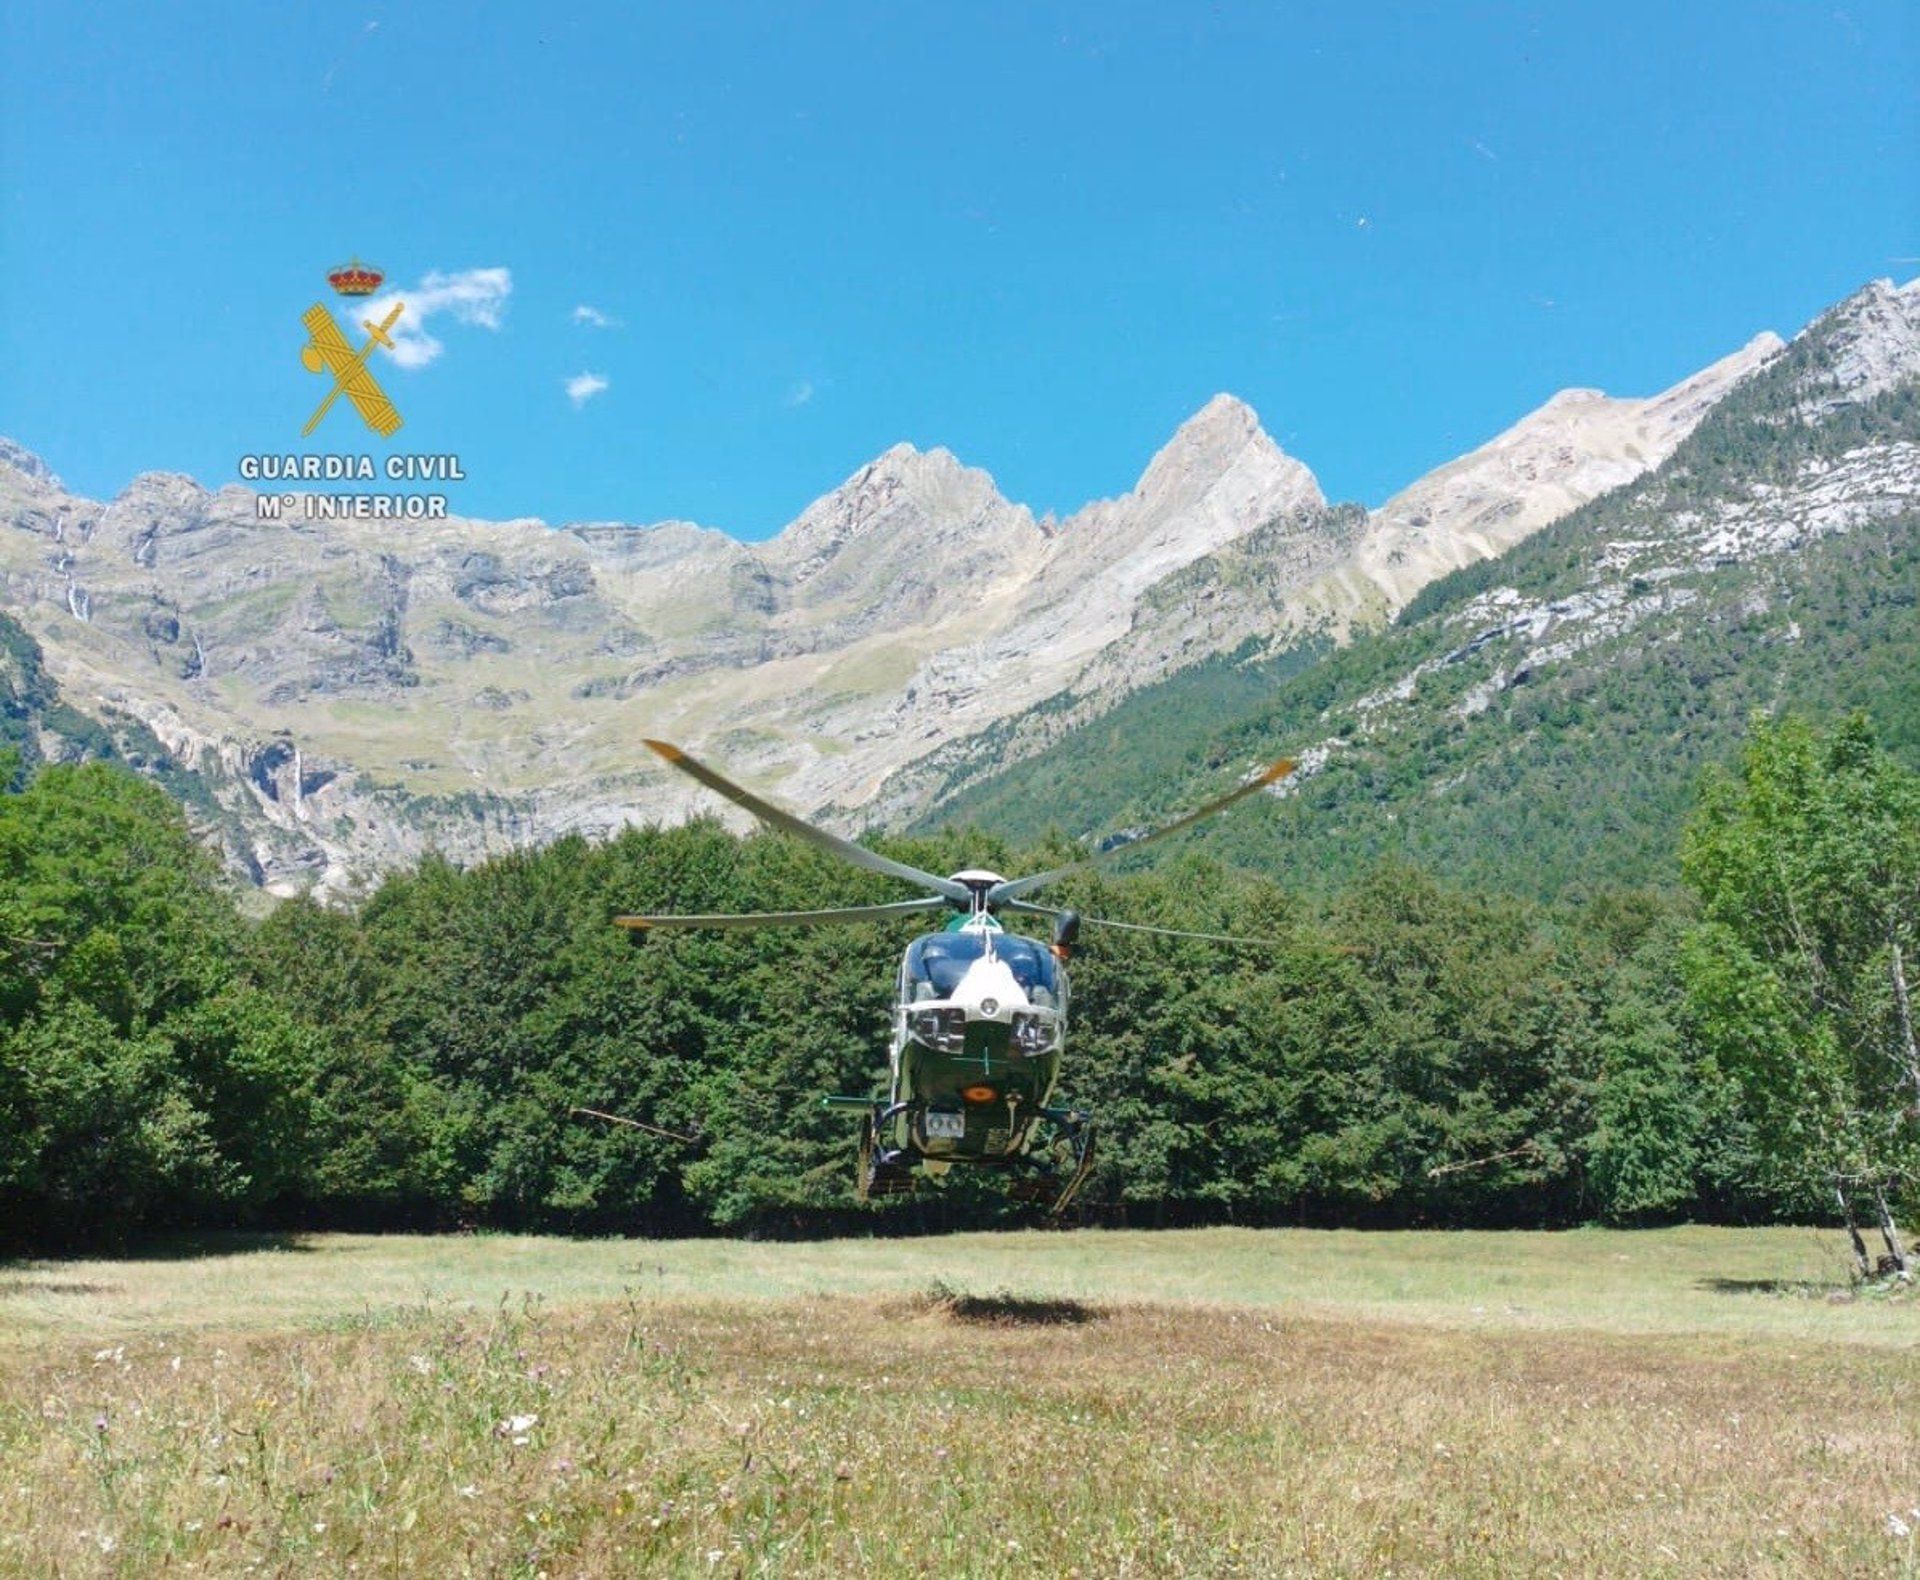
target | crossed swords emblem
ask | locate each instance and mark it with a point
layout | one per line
(329, 349)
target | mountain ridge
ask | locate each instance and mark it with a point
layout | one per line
(1342, 567)
(475, 685)
(1534, 721)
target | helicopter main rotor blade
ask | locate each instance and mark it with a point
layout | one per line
(1013, 888)
(850, 913)
(1027, 907)
(1175, 932)
(845, 849)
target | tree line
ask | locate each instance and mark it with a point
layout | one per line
(1737, 1046)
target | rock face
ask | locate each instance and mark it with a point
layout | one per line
(1576, 447)
(1539, 725)
(1772, 562)
(1874, 337)
(1310, 571)
(1668, 542)
(357, 692)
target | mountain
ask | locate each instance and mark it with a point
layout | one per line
(1538, 720)
(354, 692)
(1311, 574)
(1576, 447)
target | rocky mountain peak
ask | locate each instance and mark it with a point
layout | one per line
(900, 494)
(1223, 446)
(880, 550)
(1561, 400)
(1574, 447)
(906, 461)
(28, 465)
(1224, 414)
(1871, 342)
(168, 488)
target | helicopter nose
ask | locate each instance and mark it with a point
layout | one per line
(989, 991)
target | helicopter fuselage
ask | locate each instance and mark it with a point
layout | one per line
(979, 1027)
(981, 1016)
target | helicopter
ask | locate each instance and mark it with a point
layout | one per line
(980, 1012)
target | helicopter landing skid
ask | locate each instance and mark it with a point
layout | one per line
(1059, 1181)
(879, 1176)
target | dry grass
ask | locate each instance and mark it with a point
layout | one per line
(1668, 1281)
(957, 1427)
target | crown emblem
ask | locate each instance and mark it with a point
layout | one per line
(355, 279)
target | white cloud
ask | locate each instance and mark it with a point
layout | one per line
(593, 318)
(473, 296)
(799, 394)
(582, 387)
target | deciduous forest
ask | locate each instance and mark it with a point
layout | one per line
(1736, 1045)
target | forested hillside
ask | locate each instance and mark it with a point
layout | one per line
(1536, 722)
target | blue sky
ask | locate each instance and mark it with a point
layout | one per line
(1039, 235)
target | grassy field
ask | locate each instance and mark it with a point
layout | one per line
(1217, 1402)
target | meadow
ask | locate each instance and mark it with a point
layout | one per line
(1220, 1401)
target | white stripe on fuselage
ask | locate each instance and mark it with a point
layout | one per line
(988, 978)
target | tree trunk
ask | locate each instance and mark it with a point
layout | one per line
(1903, 1008)
(1861, 1260)
(1890, 1233)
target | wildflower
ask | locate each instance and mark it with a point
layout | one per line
(99, 1423)
(1897, 1526)
(469, 1491)
(517, 1427)
(420, 1364)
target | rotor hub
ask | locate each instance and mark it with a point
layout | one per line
(979, 883)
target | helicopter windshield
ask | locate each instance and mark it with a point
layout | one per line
(935, 965)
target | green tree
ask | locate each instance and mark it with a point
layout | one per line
(140, 1079)
(1807, 864)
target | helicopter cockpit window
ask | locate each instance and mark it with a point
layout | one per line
(935, 965)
